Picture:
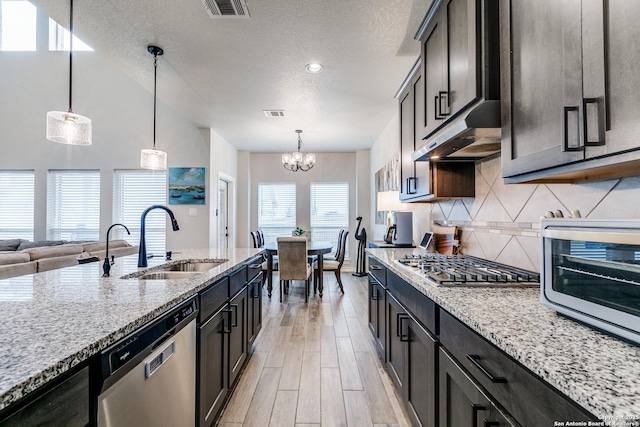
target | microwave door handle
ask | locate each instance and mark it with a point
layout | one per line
(631, 238)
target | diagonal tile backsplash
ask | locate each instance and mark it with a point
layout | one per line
(502, 222)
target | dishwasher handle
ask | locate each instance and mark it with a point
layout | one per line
(159, 358)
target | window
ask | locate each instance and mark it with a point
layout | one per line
(329, 211)
(59, 39)
(276, 210)
(133, 192)
(16, 204)
(18, 25)
(73, 205)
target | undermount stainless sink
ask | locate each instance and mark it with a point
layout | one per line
(194, 266)
(180, 270)
(167, 275)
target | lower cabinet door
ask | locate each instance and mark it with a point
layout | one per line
(254, 312)
(211, 380)
(396, 347)
(377, 321)
(462, 403)
(421, 381)
(238, 335)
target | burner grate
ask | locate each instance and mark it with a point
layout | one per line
(469, 270)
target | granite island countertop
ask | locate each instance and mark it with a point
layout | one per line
(599, 372)
(53, 321)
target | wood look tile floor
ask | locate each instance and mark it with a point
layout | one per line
(315, 365)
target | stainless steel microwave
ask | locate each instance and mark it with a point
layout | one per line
(591, 272)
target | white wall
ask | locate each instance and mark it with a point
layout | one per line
(32, 83)
(223, 162)
(330, 167)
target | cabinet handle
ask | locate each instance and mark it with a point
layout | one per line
(475, 360)
(226, 323)
(566, 112)
(475, 408)
(399, 318)
(374, 291)
(436, 108)
(375, 267)
(443, 95)
(234, 310)
(257, 288)
(411, 189)
(599, 140)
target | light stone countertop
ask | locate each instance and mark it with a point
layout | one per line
(599, 372)
(53, 321)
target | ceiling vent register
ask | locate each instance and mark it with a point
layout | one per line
(273, 113)
(226, 8)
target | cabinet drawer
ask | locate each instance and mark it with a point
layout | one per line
(378, 271)
(213, 297)
(237, 279)
(524, 395)
(254, 267)
(422, 308)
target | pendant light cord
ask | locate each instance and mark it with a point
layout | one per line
(155, 84)
(70, 53)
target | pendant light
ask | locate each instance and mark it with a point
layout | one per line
(67, 127)
(298, 161)
(154, 159)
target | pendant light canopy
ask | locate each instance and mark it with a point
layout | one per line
(67, 127)
(152, 158)
(298, 161)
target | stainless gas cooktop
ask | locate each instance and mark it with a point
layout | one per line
(466, 270)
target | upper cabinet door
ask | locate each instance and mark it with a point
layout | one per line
(542, 84)
(612, 64)
(450, 61)
(434, 65)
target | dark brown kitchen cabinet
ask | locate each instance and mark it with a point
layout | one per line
(414, 176)
(212, 379)
(450, 60)
(377, 317)
(526, 397)
(254, 311)
(66, 403)
(238, 341)
(411, 354)
(462, 402)
(426, 180)
(569, 90)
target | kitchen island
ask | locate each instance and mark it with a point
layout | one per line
(54, 321)
(599, 372)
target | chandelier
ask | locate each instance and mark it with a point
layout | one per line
(298, 161)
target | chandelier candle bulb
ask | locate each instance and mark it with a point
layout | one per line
(298, 161)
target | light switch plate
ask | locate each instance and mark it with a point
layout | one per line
(193, 212)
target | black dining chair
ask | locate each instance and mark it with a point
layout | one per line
(334, 265)
(257, 243)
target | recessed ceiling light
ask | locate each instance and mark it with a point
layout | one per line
(314, 67)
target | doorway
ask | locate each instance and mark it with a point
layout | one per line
(223, 214)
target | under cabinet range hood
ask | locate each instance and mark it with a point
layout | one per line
(472, 135)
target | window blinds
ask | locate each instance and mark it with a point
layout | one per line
(329, 211)
(73, 205)
(16, 204)
(133, 192)
(276, 210)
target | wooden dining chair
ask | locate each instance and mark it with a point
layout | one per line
(292, 260)
(334, 265)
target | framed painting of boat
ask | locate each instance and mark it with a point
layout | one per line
(187, 186)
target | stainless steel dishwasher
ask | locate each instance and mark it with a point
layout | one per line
(149, 377)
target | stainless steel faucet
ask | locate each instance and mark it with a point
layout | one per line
(106, 267)
(142, 252)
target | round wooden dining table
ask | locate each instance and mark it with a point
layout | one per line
(313, 248)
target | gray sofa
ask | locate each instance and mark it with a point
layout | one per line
(18, 257)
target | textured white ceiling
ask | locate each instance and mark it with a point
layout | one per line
(221, 73)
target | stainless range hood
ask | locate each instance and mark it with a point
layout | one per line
(472, 135)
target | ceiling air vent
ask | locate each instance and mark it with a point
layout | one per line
(226, 8)
(273, 113)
